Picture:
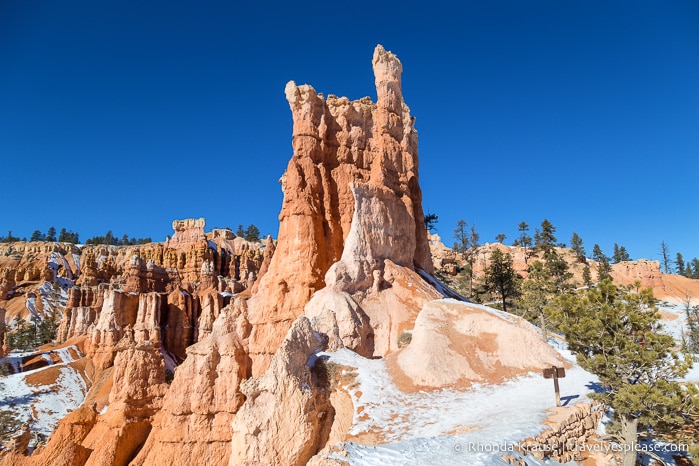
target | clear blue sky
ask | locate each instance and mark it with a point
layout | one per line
(126, 115)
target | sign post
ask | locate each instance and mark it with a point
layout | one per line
(555, 373)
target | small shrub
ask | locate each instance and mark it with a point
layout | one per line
(404, 339)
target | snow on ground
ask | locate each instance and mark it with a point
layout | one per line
(674, 319)
(674, 322)
(42, 406)
(76, 261)
(54, 298)
(30, 304)
(449, 427)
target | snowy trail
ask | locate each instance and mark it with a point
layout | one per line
(449, 427)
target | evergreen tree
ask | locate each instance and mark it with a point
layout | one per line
(252, 233)
(691, 343)
(10, 423)
(500, 238)
(586, 276)
(431, 221)
(51, 234)
(501, 278)
(624, 254)
(67, 236)
(461, 243)
(679, 262)
(615, 334)
(474, 237)
(544, 238)
(47, 329)
(21, 335)
(9, 238)
(556, 266)
(695, 267)
(240, 232)
(558, 270)
(576, 244)
(537, 290)
(37, 236)
(524, 239)
(603, 268)
(620, 254)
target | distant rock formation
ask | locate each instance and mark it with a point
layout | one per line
(138, 311)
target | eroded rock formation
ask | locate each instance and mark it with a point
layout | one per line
(194, 425)
(351, 198)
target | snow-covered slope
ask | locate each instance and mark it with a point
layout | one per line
(41, 397)
(447, 427)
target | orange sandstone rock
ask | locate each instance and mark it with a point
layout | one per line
(351, 159)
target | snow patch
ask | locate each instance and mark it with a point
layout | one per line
(76, 260)
(440, 287)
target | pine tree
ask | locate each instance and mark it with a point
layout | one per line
(576, 244)
(624, 254)
(679, 262)
(616, 254)
(524, 239)
(431, 221)
(461, 243)
(51, 234)
(545, 239)
(537, 290)
(586, 276)
(615, 334)
(620, 254)
(37, 236)
(501, 278)
(500, 238)
(47, 329)
(603, 268)
(252, 233)
(692, 315)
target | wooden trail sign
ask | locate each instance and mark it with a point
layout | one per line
(555, 373)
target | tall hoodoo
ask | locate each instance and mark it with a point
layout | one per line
(354, 167)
